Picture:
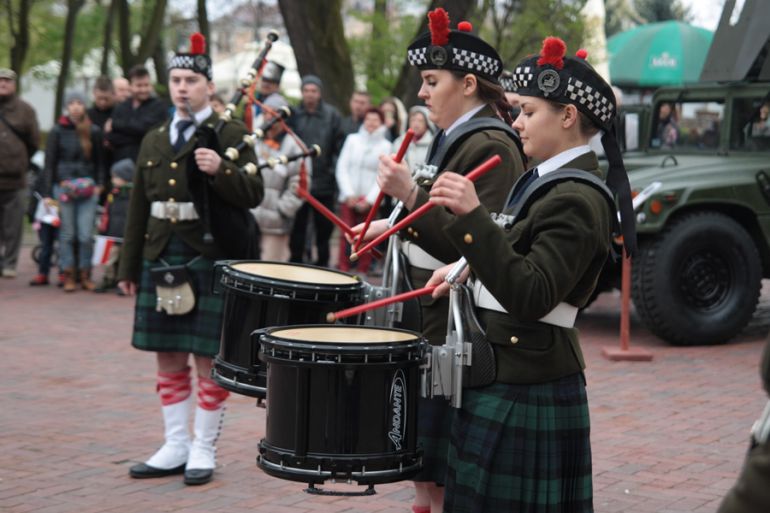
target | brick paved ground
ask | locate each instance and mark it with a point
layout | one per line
(78, 409)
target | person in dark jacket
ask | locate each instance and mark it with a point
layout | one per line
(133, 118)
(19, 138)
(74, 170)
(750, 494)
(104, 101)
(317, 122)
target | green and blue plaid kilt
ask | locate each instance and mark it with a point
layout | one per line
(434, 422)
(522, 448)
(196, 332)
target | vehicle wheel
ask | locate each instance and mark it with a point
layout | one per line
(36, 253)
(699, 281)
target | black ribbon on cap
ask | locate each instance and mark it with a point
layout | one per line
(617, 181)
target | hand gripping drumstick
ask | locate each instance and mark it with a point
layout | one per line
(472, 176)
(355, 310)
(376, 205)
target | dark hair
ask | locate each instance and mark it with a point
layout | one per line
(587, 126)
(490, 93)
(104, 84)
(137, 71)
(375, 110)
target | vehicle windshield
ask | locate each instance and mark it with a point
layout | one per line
(690, 125)
(751, 125)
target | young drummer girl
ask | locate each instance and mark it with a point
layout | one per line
(522, 443)
(459, 87)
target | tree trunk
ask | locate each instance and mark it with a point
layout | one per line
(19, 36)
(409, 81)
(73, 6)
(109, 23)
(161, 69)
(318, 38)
(203, 21)
(149, 37)
(127, 59)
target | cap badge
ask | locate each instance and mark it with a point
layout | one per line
(200, 61)
(438, 55)
(548, 81)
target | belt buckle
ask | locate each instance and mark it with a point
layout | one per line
(172, 211)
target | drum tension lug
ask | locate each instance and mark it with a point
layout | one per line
(311, 489)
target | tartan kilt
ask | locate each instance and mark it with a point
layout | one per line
(196, 332)
(434, 417)
(523, 448)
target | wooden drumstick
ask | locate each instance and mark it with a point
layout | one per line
(472, 176)
(355, 310)
(376, 205)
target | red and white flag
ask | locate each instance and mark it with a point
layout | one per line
(102, 247)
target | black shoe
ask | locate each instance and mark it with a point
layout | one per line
(144, 471)
(198, 476)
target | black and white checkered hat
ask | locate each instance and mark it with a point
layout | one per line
(563, 79)
(454, 50)
(196, 59)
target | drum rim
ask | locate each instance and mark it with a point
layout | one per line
(418, 344)
(227, 268)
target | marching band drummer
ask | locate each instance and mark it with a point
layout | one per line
(165, 252)
(460, 88)
(522, 443)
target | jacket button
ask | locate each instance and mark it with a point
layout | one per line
(171, 200)
(228, 171)
(409, 230)
(415, 234)
(173, 220)
(468, 238)
(149, 162)
(146, 236)
(172, 182)
(514, 340)
(174, 165)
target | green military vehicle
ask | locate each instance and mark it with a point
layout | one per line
(704, 234)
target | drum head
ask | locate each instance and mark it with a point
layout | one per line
(296, 273)
(340, 335)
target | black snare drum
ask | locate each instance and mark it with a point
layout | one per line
(262, 294)
(342, 403)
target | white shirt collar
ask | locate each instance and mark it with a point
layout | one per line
(561, 159)
(200, 117)
(465, 117)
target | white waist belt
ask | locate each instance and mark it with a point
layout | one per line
(172, 210)
(563, 315)
(418, 257)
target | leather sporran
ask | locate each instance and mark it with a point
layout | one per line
(483, 369)
(174, 289)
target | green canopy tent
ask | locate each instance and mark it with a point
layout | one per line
(658, 54)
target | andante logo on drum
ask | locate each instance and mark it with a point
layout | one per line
(398, 409)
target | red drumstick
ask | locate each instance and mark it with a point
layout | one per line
(472, 176)
(355, 310)
(328, 214)
(376, 205)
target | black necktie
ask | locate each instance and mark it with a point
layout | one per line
(441, 137)
(522, 185)
(181, 126)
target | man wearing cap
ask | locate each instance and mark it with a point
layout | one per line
(269, 84)
(275, 215)
(134, 117)
(19, 139)
(167, 261)
(317, 122)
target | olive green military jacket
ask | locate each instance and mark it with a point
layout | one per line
(161, 175)
(492, 188)
(553, 254)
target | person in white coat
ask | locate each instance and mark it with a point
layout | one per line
(275, 215)
(423, 129)
(356, 177)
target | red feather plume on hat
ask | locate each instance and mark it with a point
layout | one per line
(197, 44)
(553, 52)
(438, 23)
